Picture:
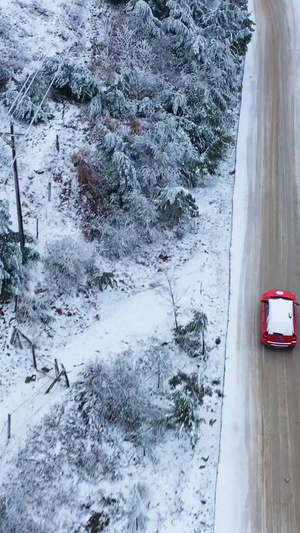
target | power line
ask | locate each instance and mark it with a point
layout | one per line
(50, 85)
(44, 384)
(15, 104)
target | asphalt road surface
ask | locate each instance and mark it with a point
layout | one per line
(272, 261)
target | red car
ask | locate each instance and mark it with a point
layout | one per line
(279, 319)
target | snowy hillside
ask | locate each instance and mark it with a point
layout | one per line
(125, 117)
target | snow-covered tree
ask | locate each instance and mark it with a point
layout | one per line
(4, 77)
(137, 508)
(175, 203)
(11, 270)
(28, 105)
(187, 396)
(72, 80)
(191, 336)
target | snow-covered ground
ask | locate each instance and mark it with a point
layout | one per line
(133, 319)
(182, 481)
(234, 458)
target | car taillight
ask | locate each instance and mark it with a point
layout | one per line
(265, 335)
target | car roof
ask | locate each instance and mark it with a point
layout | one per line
(280, 317)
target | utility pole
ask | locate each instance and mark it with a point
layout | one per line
(11, 143)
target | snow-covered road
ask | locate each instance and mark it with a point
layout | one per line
(259, 470)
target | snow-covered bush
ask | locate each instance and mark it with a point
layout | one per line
(73, 81)
(70, 264)
(4, 77)
(137, 508)
(119, 235)
(11, 269)
(34, 309)
(191, 337)
(114, 102)
(115, 396)
(173, 204)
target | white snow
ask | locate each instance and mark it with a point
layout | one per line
(182, 483)
(280, 317)
(232, 512)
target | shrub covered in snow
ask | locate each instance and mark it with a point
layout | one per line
(4, 77)
(137, 508)
(71, 265)
(73, 81)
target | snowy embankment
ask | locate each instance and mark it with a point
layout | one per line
(129, 321)
(232, 509)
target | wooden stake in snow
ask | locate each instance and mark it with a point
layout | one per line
(16, 303)
(64, 373)
(8, 426)
(56, 368)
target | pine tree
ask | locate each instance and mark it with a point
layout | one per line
(11, 270)
(175, 203)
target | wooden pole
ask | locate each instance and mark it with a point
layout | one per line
(17, 189)
(8, 426)
(49, 191)
(53, 383)
(37, 228)
(64, 373)
(56, 367)
(12, 340)
(33, 356)
(16, 303)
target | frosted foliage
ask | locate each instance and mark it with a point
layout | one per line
(175, 203)
(137, 504)
(117, 395)
(119, 237)
(75, 81)
(69, 264)
(144, 16)
(11, 269)
(86, 439)
(4, 218)
(111, 140)
(170, 105)
(26, 109)
(96, 106)
(125, 170)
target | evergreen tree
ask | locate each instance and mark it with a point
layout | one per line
(11, 270)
